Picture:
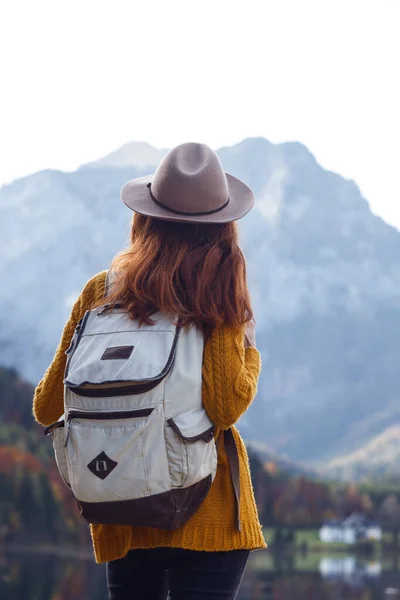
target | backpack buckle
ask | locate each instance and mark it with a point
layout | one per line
(103, 309)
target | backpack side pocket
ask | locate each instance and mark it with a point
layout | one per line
(60, 453)
(177, 457)
(193, 435)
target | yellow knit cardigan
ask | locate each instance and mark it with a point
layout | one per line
(230, 374)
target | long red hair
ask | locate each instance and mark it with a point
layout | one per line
(195, 272)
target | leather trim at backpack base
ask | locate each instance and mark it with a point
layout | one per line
(206, 436)
(168, 510)
(117, 353)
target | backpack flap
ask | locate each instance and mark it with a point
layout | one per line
(111, 351)
(193, 425)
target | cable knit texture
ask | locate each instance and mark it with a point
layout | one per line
(230, 373)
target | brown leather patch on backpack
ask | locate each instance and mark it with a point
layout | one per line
(117, 353)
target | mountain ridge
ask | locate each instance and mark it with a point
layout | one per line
(139, 155)
(324, 274)
(380, 455)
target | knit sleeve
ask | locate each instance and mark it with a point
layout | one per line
(230, 376)
(48, 400)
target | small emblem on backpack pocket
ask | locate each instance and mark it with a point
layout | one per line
(102, 465)
(117, 353)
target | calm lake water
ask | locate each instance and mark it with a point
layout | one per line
(37, 576)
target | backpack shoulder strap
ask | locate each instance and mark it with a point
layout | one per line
(110, 277)
(233, 460)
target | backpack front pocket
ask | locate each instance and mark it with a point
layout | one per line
(105, 454)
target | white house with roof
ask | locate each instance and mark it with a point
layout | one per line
(355, 528)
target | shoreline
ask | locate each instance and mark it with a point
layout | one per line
(49, 549)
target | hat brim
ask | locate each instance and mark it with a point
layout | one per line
(136, 195)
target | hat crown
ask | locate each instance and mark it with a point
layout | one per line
(190, 179)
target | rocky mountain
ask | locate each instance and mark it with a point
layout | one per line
(274, 463)
(324, 274)
(139, 155)
(380, 457)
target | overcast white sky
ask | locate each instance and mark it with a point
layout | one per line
(80, 78)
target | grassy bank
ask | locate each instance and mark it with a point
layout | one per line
(308, 539)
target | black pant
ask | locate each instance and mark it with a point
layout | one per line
(187, 574)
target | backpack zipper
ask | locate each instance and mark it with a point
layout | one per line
(106, 416)
(117, 390)
(97, 416)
